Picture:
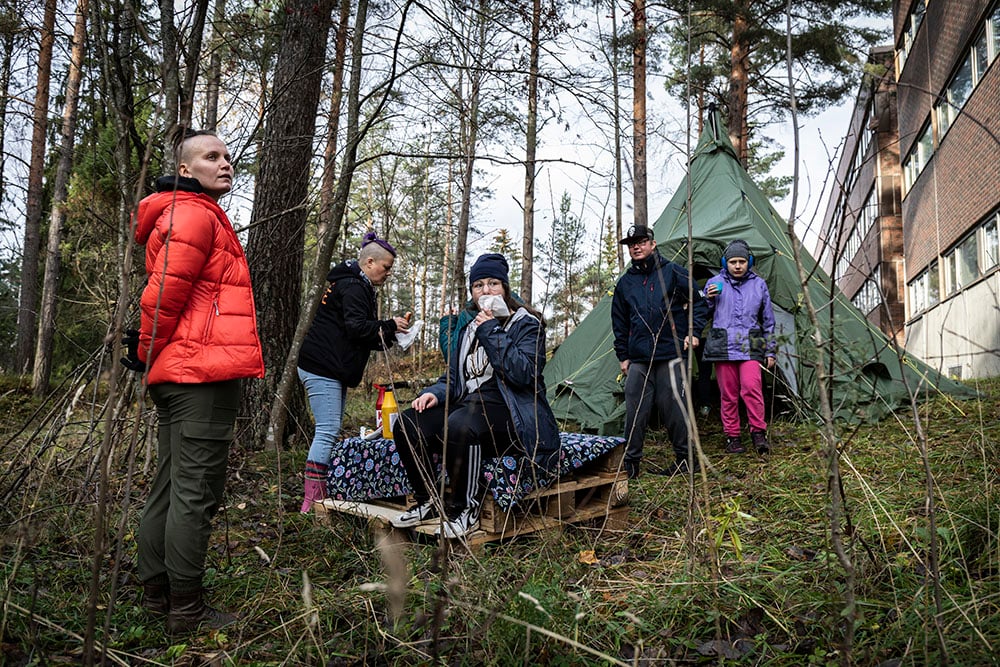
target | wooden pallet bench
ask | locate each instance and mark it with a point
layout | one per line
(595, 492)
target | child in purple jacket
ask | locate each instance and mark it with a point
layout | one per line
(740, 338)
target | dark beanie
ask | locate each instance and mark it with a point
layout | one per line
(490, 265)
(738, 248)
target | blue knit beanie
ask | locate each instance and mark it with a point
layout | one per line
(490, 265)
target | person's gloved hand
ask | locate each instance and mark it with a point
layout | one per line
(131, 360)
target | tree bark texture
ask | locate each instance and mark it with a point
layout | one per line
(615, 100)
(27, 320)
(469, 137)
(641, 215)
(530, 170)
(328, 239)
(738, 78)
(329, 180)
(170, 73)
(277, 234)
(192, 58)
(214, 74)
(50, 282)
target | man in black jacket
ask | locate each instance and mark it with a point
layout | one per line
(649, 319)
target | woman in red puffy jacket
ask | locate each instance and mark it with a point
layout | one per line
(198, 339)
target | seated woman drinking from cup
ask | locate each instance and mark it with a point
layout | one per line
(490, 399)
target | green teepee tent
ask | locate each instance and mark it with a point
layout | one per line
(867, 377)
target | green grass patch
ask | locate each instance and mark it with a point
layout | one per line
(737, 568)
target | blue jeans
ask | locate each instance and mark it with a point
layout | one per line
(326, 398)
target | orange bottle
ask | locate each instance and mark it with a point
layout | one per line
(389, 413)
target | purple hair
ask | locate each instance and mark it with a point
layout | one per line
(370, 237)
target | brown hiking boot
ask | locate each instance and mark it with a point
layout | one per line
(189, 611)
(156, 598)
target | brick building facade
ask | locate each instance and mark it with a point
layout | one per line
(861, 242)
(948, 81)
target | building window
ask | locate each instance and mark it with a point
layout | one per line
(913, 22)
(933, 285)
(983, 52)
(991, 244)
(980, 57)
(862, 225)
(868, 297)
(919, 155)
(961, 265)
(923, 290)
(993, 29)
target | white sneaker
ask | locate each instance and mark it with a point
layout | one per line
(416, 515)
(463, 524)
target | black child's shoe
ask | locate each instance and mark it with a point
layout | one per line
(760, 442)
(734, 445)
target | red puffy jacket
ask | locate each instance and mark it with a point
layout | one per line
(198, 318)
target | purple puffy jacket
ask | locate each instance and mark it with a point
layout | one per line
(742, 320)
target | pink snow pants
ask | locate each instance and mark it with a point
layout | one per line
(740, 379)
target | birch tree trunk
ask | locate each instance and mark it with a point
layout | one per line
(27, 320)
(50, 283)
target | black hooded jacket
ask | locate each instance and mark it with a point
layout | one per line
(345, 329)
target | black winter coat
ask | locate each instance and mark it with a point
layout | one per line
(649, 310)
(345, 329)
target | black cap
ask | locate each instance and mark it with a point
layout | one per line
(637, 233)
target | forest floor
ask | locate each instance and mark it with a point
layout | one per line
(733, 567)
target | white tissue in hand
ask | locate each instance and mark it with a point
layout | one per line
(494, 303)
(405, 339)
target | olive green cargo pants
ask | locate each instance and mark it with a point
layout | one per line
(195, 430)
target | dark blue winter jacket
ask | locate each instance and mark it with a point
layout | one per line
(649, 311)
(517, 353)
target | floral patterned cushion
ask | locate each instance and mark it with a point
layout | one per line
(509, 482)
(364, 470)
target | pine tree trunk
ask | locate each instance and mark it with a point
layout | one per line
(329, 181)
(277, 234)
(531, 140)
(616, 96)
(641, 215)
(50, 283)
(192, 58)
(738, 88)
(328, 239)
(469, 132)
(27, 320)
(170, 73)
